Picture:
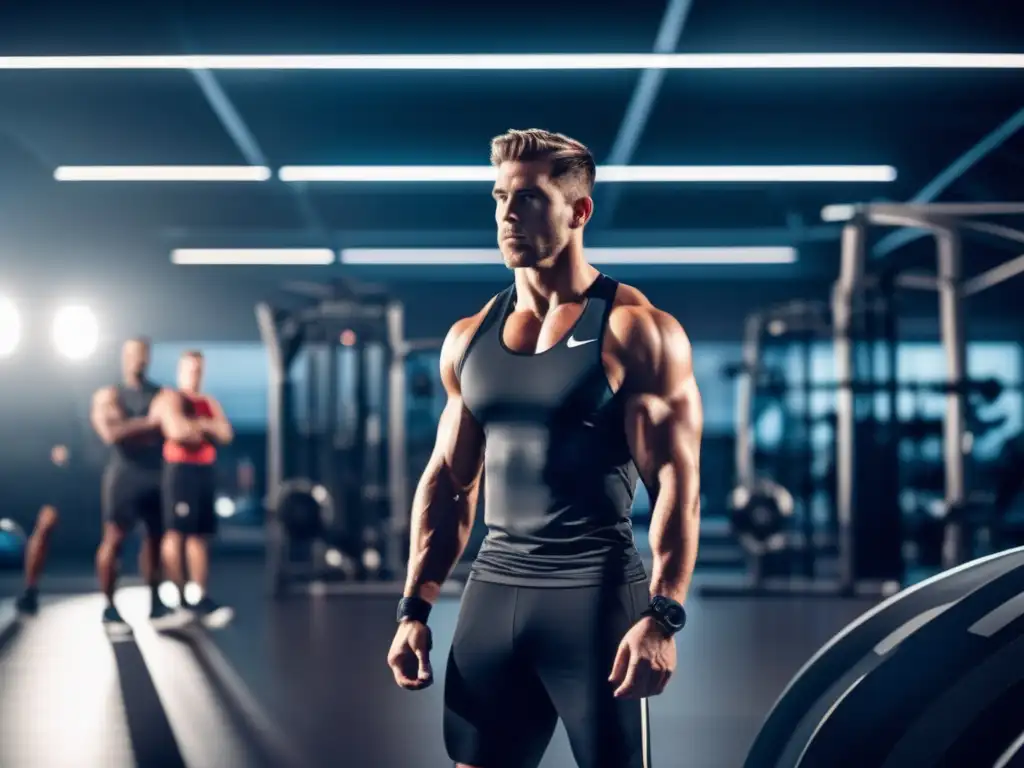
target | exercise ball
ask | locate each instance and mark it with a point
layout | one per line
(12, 544)
(933, 676)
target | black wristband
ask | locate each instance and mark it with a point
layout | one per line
(414, 609)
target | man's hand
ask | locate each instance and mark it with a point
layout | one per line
(645, 661)
(409, 657)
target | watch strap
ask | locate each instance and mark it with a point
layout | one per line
(414, 609)
(667, 613)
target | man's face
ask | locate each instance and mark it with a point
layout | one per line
(534, 217)
(190, 373)
(134, 359)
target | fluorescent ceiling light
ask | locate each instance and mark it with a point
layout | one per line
(253, 256)
(834, 213)
(607, 173)
(530, 61)
(637, 256)
(161, 173)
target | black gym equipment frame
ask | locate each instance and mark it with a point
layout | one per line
(944, 222)
(283, 333)
(803, 322)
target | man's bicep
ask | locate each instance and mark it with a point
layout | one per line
(460, 443)
(665, 417)
(217, 411)
(104, 412)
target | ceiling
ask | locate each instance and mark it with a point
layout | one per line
(917, 121)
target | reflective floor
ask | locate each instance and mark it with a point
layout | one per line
(72, 696)
(315, 669)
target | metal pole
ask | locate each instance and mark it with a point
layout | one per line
(807, 468)
(851, 276)
(993, 277)
(954, 344)
(747, 386)
(374, 492)
(398, 483)
(275, 542)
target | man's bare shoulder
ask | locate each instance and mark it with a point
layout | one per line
(105, 395)
(634, 320)
(630, 296)
(462, 331)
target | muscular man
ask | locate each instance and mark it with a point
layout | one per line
(193, 425)
(55, 484)
(565, 386)
(131, 481)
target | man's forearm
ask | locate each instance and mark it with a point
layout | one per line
(674, 532)
(129, 428)
(442, 517)
(180, 429)
(216, 430)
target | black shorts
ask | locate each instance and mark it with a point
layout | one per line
(524, 657)
(129, 496)
(189, 494)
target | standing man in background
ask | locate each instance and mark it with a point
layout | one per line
(193, 424)
(131, 481)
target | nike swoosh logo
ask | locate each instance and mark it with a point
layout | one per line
(572, 342)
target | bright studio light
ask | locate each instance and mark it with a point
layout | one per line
(76, 332)
(541, 62)
(621, 174)
(10, 327)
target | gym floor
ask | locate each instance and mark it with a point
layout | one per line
(312, 670)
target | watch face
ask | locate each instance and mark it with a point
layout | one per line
(673, 614)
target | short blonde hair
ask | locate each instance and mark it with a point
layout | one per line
(572, 164)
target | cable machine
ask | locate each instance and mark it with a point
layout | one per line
(338, 491)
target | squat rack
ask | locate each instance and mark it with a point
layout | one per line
(944, 222)
(283, 333)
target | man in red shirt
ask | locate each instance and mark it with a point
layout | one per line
(193, 424)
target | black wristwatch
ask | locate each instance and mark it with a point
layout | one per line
(670, 615)
(414, 609)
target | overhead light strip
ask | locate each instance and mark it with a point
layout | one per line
(669, 256)
(531, 61)
(605, 174)
(209, 257)
(251, 173)
(621, 174)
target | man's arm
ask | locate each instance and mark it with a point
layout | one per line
(109, 421)
(217, 427)
(444, 505)
(664, 424)
(168, 409)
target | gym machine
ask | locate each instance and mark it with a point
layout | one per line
(944, 222)
(781, 560)
(932, 676)
(761, 507)
(338, 491)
